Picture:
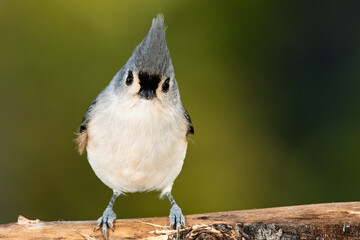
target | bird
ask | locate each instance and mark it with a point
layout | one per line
(136, 131)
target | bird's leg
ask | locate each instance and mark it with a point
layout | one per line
(108, 217)
(176, 216)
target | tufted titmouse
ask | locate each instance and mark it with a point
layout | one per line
(135, 131)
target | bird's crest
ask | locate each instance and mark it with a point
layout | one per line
(152, 54)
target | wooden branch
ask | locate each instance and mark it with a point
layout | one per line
(318, 221)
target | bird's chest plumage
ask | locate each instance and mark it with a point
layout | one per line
(137, 147)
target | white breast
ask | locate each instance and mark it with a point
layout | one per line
(138, 146)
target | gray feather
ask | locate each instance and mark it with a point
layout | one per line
(86, 117)
(190, 125)
(152, 54)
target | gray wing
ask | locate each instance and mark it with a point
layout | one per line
(82, 138)
(190, 125)
(87, 116)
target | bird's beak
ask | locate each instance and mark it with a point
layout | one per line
(148, 94)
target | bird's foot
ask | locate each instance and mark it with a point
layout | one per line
(176, 218)
(106, 220)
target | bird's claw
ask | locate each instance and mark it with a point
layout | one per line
(176, 217)
(110, 224)
(106, 220)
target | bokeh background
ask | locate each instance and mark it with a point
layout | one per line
(272, 88)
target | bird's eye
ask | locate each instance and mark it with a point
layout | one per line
(129, 79)
(165, 86)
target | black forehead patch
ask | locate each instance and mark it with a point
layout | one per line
(149, 81)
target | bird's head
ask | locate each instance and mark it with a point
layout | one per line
(149, 73)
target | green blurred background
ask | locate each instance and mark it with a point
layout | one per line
(272, 87)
